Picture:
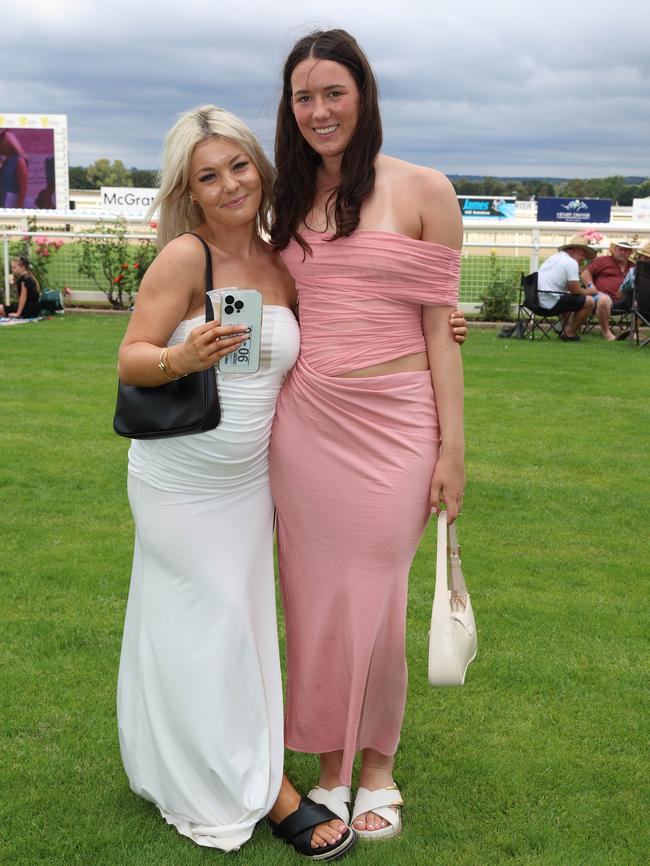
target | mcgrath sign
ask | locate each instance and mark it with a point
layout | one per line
(496, 207)
(574, 210)
(127, 200)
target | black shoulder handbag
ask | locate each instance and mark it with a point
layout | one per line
(177, 408)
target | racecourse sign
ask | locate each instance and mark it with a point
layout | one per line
(641, 208)
(496, 207)
(574, 210)
(127, 200)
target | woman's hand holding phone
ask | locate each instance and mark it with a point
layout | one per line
(205, 346)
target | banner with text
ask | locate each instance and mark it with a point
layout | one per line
(127, 200)
(496, 207)
(641, 208)
(574, 210)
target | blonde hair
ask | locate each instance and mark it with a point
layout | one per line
(178, 213)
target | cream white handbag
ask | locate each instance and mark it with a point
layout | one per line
(452, 639)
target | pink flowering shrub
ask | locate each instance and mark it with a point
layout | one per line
(592, 236)
(41, 251)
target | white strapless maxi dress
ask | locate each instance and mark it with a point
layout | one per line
(199, 697)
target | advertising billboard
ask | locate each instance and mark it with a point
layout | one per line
(574, 210)
(127, 200)
(641, 208)
(33, 162)
(493, 206)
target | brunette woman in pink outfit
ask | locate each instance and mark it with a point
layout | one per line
(368, 435)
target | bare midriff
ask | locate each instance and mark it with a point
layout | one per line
(406, 364)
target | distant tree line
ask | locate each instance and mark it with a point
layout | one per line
(616, 188)
(103, 172)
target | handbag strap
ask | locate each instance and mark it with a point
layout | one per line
(209, 309)
(447, 549)
(458, 585)
(441, 607)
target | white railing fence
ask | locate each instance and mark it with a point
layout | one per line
(495, 251)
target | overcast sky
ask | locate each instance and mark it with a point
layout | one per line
(468, 86)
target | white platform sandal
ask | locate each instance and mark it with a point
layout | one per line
(337, 800)
(384, 802)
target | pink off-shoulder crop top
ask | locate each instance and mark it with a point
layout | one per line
(361, 297)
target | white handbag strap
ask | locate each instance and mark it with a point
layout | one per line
(441, 608)
(444, 601)
(458, 585)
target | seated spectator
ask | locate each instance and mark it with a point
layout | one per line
(605, 275)
(642, 255)
(559, 290)
(28, 292)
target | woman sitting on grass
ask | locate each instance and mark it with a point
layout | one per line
(27, 289)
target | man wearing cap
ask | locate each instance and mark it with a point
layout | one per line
(605, 275)
(559, 290)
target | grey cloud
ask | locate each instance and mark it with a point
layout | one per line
(468, 87)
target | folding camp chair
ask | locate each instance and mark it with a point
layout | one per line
(620, 321)
(531, 318)
(640, 315)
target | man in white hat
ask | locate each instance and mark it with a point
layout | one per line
(606, 275)
(642, 255)
(559, 290)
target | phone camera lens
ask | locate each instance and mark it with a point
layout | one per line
(230, 300)
(239, 305)
(228, 310)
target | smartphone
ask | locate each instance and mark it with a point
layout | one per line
(242, 307)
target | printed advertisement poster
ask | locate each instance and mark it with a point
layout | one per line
(127, 200)
(641, 208)
(33, 162)
(574, 210)
(491, 206)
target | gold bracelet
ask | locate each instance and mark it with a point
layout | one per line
(165, 366)
(172, 371)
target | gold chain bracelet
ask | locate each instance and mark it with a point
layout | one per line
(167, 368)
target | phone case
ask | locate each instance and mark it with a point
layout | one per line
(242, 307)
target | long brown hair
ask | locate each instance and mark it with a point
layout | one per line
(24, 261)
(296, 161)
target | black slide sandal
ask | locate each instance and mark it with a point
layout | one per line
(297, 829)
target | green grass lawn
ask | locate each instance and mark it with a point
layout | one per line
(541, 758)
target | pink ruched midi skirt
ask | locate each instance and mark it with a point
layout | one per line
(351, 466)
